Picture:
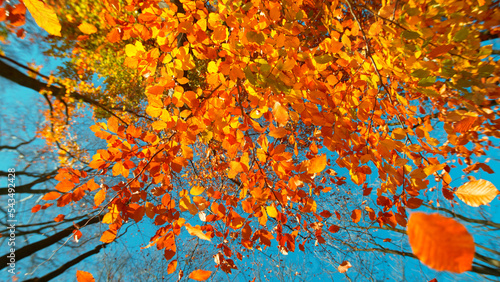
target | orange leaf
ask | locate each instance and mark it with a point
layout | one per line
(44, 16)
(200, 275)
(87, 28)
(65, 186)
(477, 192)
(108, 236)
(279, 132)
(84, 276)
(99, 197)
(317, 164)
(59, 218)
(344, 266)
(356, 216)
(51, 196)
(172, 266)
(441, 243)
(196, 231)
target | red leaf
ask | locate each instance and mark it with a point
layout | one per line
(59, 218)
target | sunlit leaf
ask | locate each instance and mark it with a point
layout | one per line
(84, 276)
(44, 16)
(51, 196)
(317, 164)
(87, 28)
(441, 243)
(477, 192)
(344, 266)
(200, 275)
(196, 231)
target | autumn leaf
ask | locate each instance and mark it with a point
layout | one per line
(200, 275)
(84, 276)
(344, 266)
(271, 211)
(317, 164)
(108, 236)
(100, 197)
(51, 196)
(477, 192)
(59, 218)
(356, 216)
(441, 243)
(87, 28)
(197, 190)
(44, 16)
(196, 231)
(172, 266)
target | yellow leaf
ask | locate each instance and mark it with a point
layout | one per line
(271, 211)
(477, 192)
(212, 67)
(441, 243)
(87, 28)
(196, 231)
(44, 16)
(197, 190)
(317, 164)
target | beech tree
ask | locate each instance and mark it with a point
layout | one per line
(259, 125)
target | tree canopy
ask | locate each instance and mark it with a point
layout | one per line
(271, 124)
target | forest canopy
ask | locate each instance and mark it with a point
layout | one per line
(339, 130)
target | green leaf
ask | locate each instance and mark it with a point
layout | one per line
(461, 34)
(250, 76)
(427, 81)
(410, 34)
(256, 37)
(420, 73)
(323, 59)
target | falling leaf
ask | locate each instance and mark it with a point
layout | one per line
(44, 16)
(441, 243)
(200, 275)
(87, 28)
(344, 266)
(477, 192)
(84, 276)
